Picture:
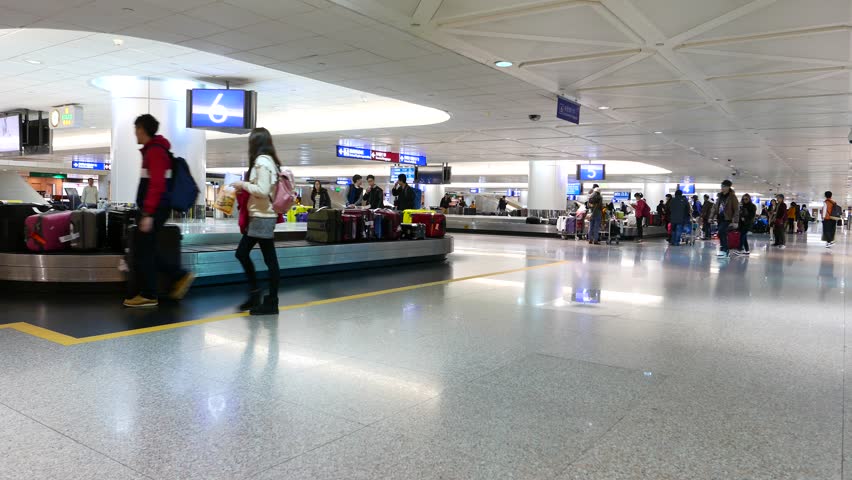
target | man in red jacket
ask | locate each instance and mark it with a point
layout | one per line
(152, 198)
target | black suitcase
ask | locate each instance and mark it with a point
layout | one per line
(12, 231)
(325, 225)
(168, 252)
(552, 221)
(88, 229)
(533, 220)
(119, 221)
(413, 231)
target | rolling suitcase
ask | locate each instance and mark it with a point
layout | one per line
(295, 211)
(406, 215)
(325, 225)
(533, 221)
(365, 223)
(88, 229)
(413, 231)
(13, 218)
(390, 220)
(734, 240)
(48, 232)
(168, 252)
(119, 221)
(353, 227)
(436, 223)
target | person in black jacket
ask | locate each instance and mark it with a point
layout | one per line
(748, 212)
(374, 197)
(679, 215)
(404, 194)
(355, 193)
(320, 196)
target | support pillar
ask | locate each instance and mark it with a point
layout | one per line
(548, 186)
(166, 100)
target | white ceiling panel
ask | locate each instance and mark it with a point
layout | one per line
(783, 15)
(274, 10)
(517, 51)
(581, 22)
(226, 15)
(567, 73)
(672, 18)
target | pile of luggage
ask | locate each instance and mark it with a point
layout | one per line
(36, 228)
(327, 225)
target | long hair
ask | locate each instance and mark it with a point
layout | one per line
(260, 143)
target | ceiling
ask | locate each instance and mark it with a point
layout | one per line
(764, 83)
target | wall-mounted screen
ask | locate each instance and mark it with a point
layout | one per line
(10, 134)
(430, 175)
(574, 189)
(409, 172)
(221, 109)
(591, 171)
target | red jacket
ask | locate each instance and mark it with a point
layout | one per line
(642, 209)
(156, 172)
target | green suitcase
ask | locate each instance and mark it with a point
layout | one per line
(325, 226)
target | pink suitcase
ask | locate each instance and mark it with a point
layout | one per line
(48, 232)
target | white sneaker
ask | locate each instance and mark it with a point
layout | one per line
(782, 247)
(722, 253)
(746, 253)
(829, 244)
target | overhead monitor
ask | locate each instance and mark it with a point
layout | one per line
(409, 172)
(574, 189)
(10, 134)
(430, 175)
(591, 172)
(687, 189)
(221, 109)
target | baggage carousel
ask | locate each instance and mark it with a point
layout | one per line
(493, 225)
(208, 250)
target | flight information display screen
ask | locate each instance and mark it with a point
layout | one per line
(10, 133)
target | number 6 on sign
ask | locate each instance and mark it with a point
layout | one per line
(218, 113)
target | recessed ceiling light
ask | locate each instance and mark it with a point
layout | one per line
(603, 107)
(658, 132)
(503, 64)
(34, 62)
(117, 42)
(715, 158)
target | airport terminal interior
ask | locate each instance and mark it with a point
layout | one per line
(516, 239)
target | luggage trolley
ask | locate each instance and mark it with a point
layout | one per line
(691, 234)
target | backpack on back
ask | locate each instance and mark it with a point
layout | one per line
(836, 210)
(183, 191)
(285, 192)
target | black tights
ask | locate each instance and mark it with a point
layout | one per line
(270, 257)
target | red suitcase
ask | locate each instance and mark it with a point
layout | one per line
(352, 224)
(365, 224)
(391, 221)
(734, 240)
(436, 223)
(48, 232)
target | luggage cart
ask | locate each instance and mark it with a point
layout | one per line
(691, 235)
(615, 228)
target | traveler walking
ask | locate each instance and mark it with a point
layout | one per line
(792, 214)
(404, 193)
(320, 196)
(596, 209)
(805, 218)
(643, 214)
(831, 213)
(679, 211)
(696, 207)
(356, 192)
(661, 212)
(726, 212)
(501, 206)
(780, 219)
(264, 168)
(748, 212)
(706, 211)
(374, 196)
(772, 211)
(152, 197)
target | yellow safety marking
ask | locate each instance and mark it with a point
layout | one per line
(66, 340)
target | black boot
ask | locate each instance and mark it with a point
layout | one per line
(268, 307)
(252, 302)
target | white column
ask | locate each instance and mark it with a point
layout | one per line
(432, 195)
(654, 192)
(165, 100)
(548, 184)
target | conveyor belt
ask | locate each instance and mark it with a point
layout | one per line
(215, 263)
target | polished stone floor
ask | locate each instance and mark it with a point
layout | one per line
(628, 362)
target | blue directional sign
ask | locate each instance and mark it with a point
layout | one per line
(575, 189)
(83, 165)
(591, 171)
(354, 152)
(568, 110)
(687, 189)
(621, 196)
(417, 160)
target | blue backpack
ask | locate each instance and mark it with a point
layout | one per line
(183, 191)
(418, 198)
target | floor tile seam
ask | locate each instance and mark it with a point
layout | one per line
(290, 459)
(843, 406)
(78, 442)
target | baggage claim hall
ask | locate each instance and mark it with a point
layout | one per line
(425, 239)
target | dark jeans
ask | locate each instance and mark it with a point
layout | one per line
(829, 230)
(706, 229)
(639, 226)
(791, 225)
(744, 240)
(723, 234)
(147, 261)
(677, 232)
(595, 227)
(780, 235)
(270, 257)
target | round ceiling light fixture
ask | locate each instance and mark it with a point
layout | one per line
(503, 64)
(117, 42)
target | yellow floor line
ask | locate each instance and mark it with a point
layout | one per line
(66, 340)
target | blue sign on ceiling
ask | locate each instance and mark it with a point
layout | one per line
(687, 189)
(621, 196)
(568, 110)
(354, 152)
(417, 160)
(218, 108)
(591, 171)
(83, 165)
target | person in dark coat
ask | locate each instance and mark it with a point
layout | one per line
(748, 212)
(679, 215)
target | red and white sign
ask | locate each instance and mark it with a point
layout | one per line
(390, 157)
